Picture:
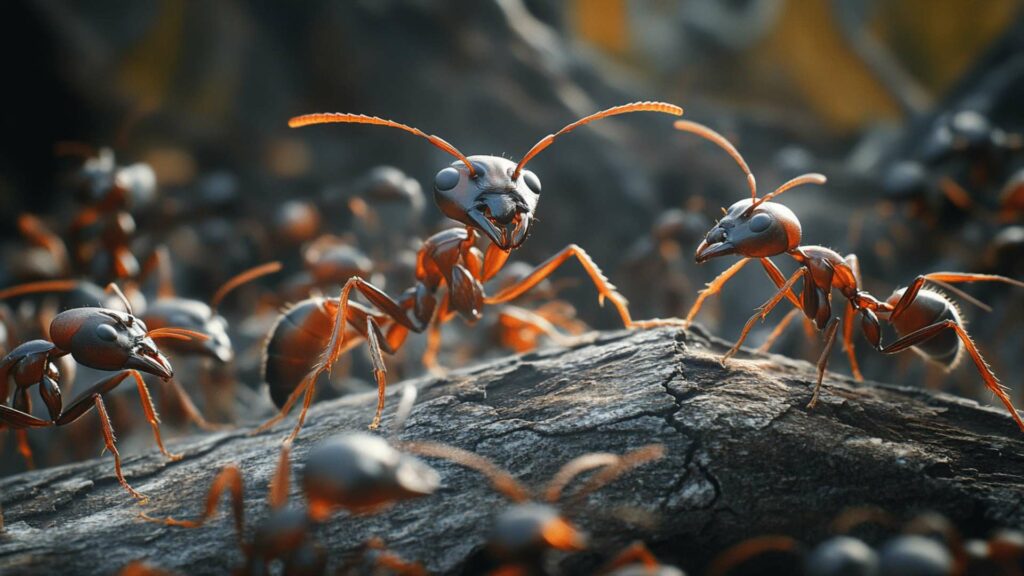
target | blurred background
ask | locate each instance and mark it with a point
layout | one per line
(911, 108)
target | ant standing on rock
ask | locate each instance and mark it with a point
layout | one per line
(924, 319)
(491, 196)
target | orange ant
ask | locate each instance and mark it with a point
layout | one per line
(924, 319)
(493, 197)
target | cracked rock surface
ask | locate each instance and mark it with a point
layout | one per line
(745, 457)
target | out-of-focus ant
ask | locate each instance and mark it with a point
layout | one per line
(200, 317)
(924, 319)
(525, 532)
(493, 197)
(359, 473)
(637, 560)
(100, 338)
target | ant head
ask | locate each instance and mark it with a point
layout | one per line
(756, 227)
(362, 473)
(527, 530)
(752, 231)
(110, 340)
(491, 194)
(489, 199)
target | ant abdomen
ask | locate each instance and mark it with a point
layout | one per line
(293, 346)
(930, 307)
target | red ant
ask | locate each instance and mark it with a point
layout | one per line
(924, 319)
(102, 339)
(491, 196)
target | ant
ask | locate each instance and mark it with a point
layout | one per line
(99, 338)
(357, 472)
(525, 531)
(637, 560)
(491, 196)
(924, 319)
(201, 317)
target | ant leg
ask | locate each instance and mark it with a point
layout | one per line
(763, 311)
(441, 316)
(279, 484)
(779, 329)
(933, 330)
(848, 345)
(24, 448)
(605, 289)
(714, 287)
(945, 277)
(108, 439)
(739, 554)
(191, 412)
(380, 371)
(830, 339)
(229, 478)
(514, 320)
(636, 553)
(151, 415)
(36, 232)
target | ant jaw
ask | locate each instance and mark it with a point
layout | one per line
(156, 365)
(508, 236)
(707, 251)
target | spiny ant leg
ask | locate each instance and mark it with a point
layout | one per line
(830, 338)
(714, 287)
(151, 415)
(928, 332)
(109, 441)
(848, 346)
(230, 478)
(763, 312)
(605, 289)
(948, 277)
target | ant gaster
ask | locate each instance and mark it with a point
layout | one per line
(489, 195)
(100, 338)
(924, 319)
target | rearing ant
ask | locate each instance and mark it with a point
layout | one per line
(924, 319)
(490, 195)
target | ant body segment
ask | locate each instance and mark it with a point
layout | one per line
(492, 197)
(924, 319)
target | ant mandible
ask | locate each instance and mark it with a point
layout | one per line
(489, 195)
(102, 339)
(924, 319)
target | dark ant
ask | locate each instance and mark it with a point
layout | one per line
(200, 317)
(924, 319)
(99, 338)
(527, 530)
(359, 473)
(491, 196)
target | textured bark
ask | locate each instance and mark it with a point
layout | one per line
(744, 457)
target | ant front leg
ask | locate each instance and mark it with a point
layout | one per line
(93, 397)
(230, 479)
(605, 289)
(716, 285)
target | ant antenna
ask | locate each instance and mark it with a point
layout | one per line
(242, 278)
(574, 468)
(812, 178)
(338, 117)
(35, 287)
(709, 134)
(502, 481)
(112, 288)
(546, 141)
(177, 334)
(404, 409)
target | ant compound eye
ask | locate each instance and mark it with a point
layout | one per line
(760, 222)
(532, 181)
(446, 179)
(106, 332)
